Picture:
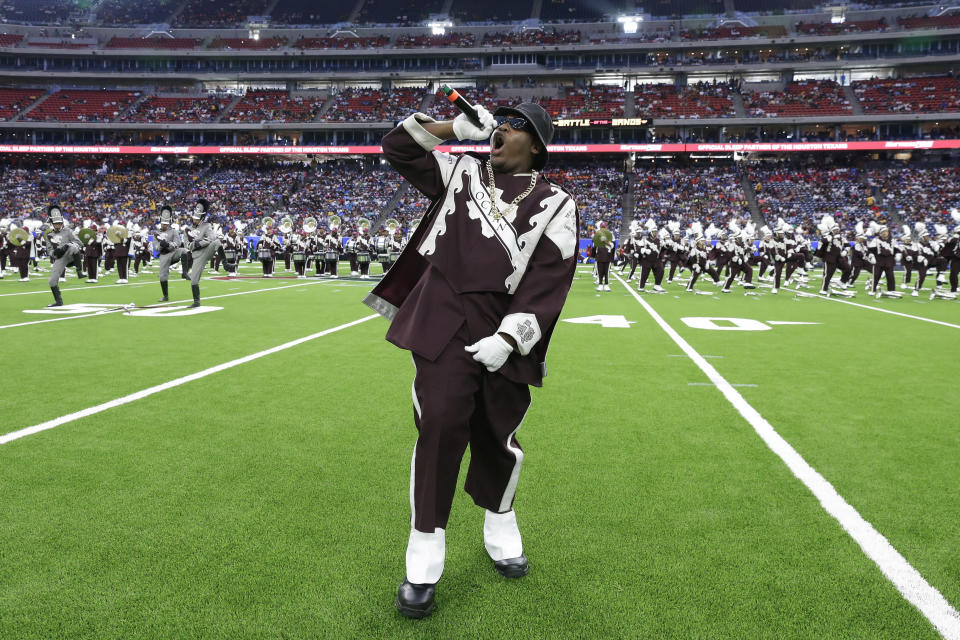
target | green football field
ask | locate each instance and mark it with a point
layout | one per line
(243, 472)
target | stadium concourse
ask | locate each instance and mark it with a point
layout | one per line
(747, 430)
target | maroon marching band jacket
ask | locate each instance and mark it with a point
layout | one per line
(510, 275)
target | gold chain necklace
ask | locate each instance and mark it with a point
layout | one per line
(493, 192)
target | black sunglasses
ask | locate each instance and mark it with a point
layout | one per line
(516, 122)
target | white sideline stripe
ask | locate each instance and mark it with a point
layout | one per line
(710, 384)
(866, 306)
(139, 395)
(907, 580)
(92, 287)
(172, 302)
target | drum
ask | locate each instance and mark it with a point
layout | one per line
(331, 256)
(230, 256)
(363, 257)
(394, 255)
(383, 257)
(299, 256)
(265, 254)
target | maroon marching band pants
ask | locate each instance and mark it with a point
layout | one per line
(603, 272)
(92, 263)
(122, 262)
(457, 402)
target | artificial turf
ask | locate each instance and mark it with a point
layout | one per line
(270, 500)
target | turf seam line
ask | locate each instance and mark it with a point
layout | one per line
(866, 306)
(172, 302)
(143, 393)
(904, 577)
(92, 287)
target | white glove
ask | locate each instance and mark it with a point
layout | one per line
(466, 130)
(491, 352)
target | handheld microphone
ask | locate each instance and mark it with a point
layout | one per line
(465, 107)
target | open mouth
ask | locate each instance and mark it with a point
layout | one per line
(496, 144)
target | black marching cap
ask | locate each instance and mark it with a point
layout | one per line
(539, 119)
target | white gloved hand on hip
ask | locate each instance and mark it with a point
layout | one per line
(464, 129)
(491, 352)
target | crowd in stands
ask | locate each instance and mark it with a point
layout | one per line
(276, 106)
(13, 101)
(446, 40)
(152, 43)
(342, 42)
(310, 12)
(587, 102)
(801, 193)
(218, 13)
(178, 109)
(530, 37)
(132, 188)
(401, 12)
(909, 95)
(253, 44)
(802, 98)
(123, 12)
(373, 105)
(37, 11)
(466, 11)
(76, 105)
(700, 100)
(597, 187)
(705, 193)
(832, 28)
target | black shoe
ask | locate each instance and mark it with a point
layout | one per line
(415, 600)
(512, 567)
(164, 299)
(55, 304)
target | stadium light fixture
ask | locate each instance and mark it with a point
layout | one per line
(630, 23)
(439, 27)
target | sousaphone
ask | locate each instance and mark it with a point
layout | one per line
(18, 236)
(286, 225)
(334, 221)
(392, 224)
(363, 224)
(268, 222)
(117, 234)
(310, 225)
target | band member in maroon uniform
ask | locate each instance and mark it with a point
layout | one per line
(363, 247)
(475, 297)
(907, 255)
(107, 251)
(831, 249)
(4, 250)
(20, 254)
(332, 246)
(91, 256)
(677, 253)
(721, 253)
(649, 249)
(882, 257)
(697, 254)
(741, 249)
(121, 253)
(267, 251)
(629, 250)
(298, 248)
(951, 251)
(603, 254)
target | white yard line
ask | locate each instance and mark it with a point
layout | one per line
(172, 302)
(907, 580)
(866, 306)
(139, 395)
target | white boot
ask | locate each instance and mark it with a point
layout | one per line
(501, 536)
(426, 553)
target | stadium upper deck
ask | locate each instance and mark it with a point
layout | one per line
(205, 71)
